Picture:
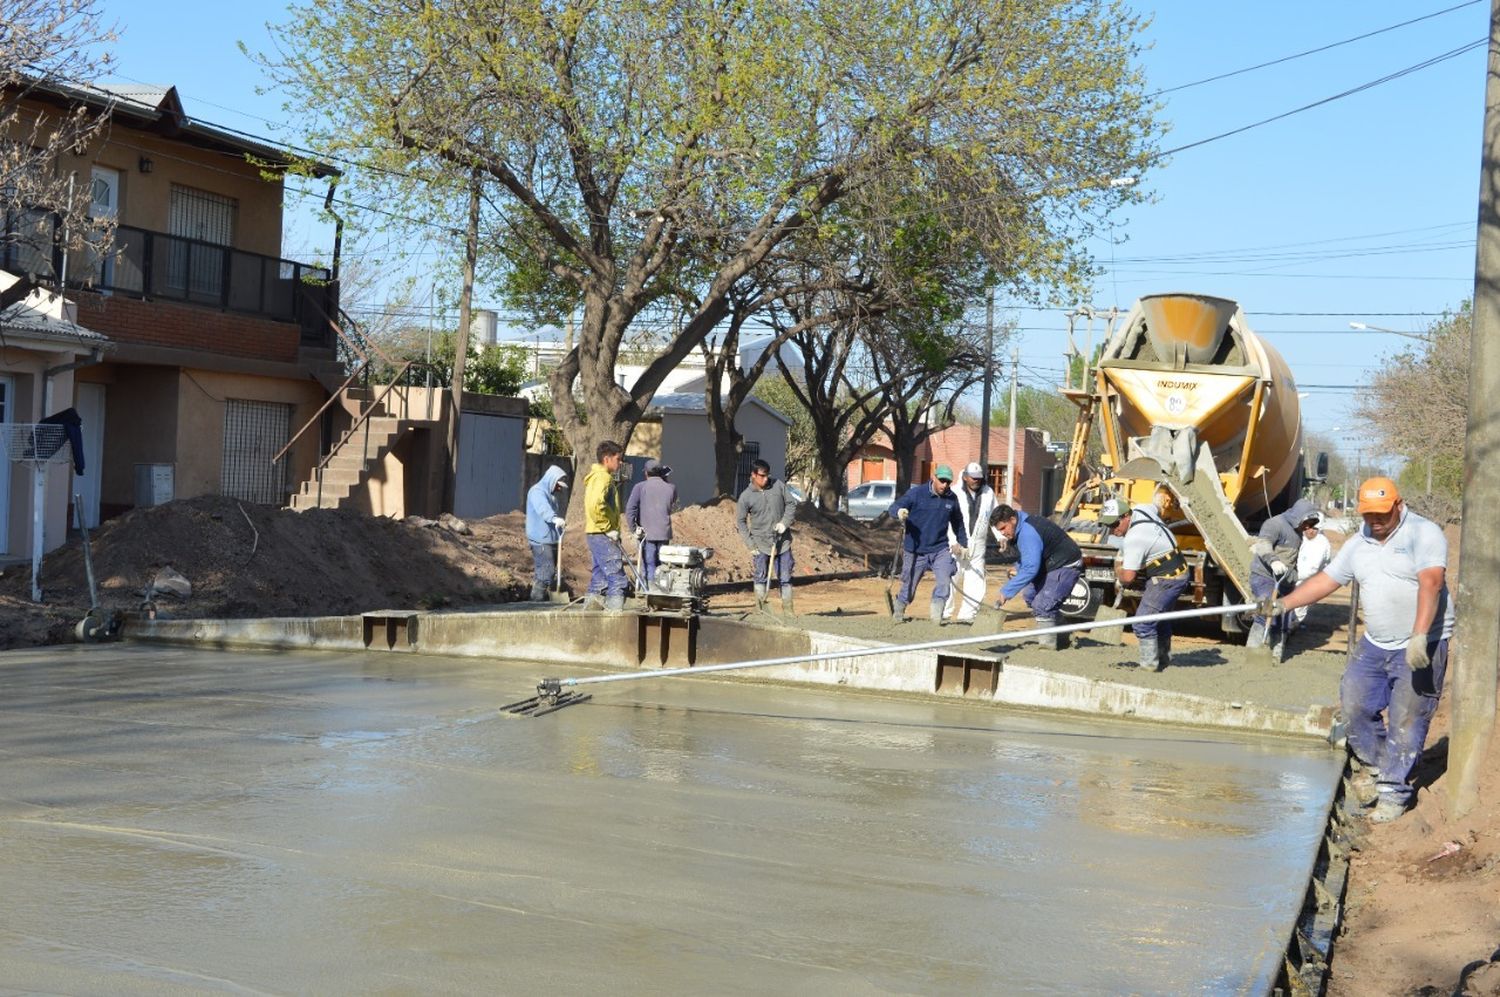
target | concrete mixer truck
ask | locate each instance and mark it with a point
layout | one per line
(1198, 412)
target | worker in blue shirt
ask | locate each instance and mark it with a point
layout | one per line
(1050, 566)
(928, 512)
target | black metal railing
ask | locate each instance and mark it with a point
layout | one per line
(157, 266)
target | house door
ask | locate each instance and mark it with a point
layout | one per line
(871, 469)
(7, 393)
(105, 206)
(90, 405)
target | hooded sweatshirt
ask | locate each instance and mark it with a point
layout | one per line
(541, 507)
(1279, 540)
(601, 501)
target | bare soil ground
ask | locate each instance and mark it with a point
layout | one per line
(1424, 895)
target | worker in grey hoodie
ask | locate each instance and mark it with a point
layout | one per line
(763, 516)
(1273, 571)
(648, 514)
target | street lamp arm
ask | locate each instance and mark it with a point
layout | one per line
(1365, 327)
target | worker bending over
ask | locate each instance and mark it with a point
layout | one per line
(1050, 566)
(1149, 550)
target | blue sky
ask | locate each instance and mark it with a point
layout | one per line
(1363, 208)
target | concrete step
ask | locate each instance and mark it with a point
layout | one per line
(334, 478)
(301, 503)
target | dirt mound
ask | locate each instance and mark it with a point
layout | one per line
(247, 560)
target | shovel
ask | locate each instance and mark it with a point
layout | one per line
(890, 599)
(557, 594)
(1111, 635)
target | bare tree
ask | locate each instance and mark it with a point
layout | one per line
(50, 51)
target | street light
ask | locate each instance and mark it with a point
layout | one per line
(1363, 327)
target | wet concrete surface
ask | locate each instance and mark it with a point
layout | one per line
(176, 821)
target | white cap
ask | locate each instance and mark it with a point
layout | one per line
(974, 471)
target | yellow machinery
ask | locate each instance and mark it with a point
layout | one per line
(1191, 404)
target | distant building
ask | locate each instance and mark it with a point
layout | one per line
(1037, 468)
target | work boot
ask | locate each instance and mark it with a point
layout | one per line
(899, 612)
(538, 592)
(1049, 642)
(786, 602)
(1257, 636)
(593, 600)
(1163, 652)
(1149, 657)
(935, 611)
(1388, 809)
(615, 604)
(1362, 787)
(760, 598)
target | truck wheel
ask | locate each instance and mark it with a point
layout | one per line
(1083, 602)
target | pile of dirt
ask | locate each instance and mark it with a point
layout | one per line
(247, 560)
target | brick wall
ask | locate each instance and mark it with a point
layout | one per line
(188, 327)
(956, 446)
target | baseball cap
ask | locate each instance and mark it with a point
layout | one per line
(974, 470)
(1377, 495)
(943, 473)
(1113, 510)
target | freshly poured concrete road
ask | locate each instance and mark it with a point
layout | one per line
(176, 821)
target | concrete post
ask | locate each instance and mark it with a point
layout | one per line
(1010, 445)
(1478, 589)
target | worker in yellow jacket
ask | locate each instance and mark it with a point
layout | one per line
(601, 519)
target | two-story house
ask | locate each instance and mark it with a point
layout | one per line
(196, 350)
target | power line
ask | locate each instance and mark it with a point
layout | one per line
(1313, 51)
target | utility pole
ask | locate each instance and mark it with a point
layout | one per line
(1010, 456)
(989, 377)
(461, 346)
(1478, 596)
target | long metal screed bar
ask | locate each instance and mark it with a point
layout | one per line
(553, 693)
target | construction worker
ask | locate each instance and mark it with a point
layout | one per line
(764, 515)
(601, 510)
(544, 528)
(930, 516)
(648, 515)
(1312, 557)
(1050, 566)
(1149, 549)
(976, 501)
(1400, 561)
(1272, 572)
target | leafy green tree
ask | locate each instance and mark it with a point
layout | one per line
(634, 152)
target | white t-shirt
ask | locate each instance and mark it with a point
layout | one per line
(1387, 576)
(1313, 556)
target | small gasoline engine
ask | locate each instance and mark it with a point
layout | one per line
(677, 588)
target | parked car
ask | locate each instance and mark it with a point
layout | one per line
(869, 500)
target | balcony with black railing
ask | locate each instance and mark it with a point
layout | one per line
(157, 266)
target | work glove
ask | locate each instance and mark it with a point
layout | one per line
(559, 522)
(780, 528)
(754, 552)
(1416, 653)
(1277, 568)
(640, 533)
(1269, 607)
(901, 514)
(613, 535)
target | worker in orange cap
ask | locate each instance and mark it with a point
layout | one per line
(1391, 685)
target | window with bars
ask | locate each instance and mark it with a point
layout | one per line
(197, 267)
(253, 432)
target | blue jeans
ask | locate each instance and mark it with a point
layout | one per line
(1263, 587)
(544, 562)
(914, 566)
(1054, 588)
(762, 566)
(1378, 680)
(651, 557)
(609, 568)
(1160, 597)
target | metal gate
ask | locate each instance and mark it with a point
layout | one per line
(253, 432)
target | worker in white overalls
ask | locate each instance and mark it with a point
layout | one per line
(976, 500)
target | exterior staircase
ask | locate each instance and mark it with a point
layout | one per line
(348, 466)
